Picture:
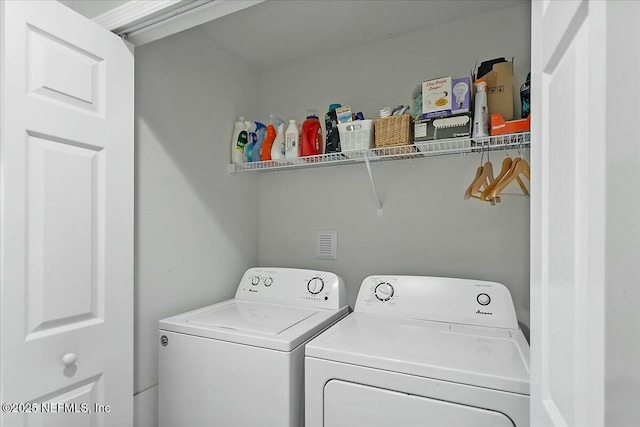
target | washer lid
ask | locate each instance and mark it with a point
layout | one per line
(259, 324)
(251, 316)
(486, 357)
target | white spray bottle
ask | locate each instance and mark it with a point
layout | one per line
(277, 149)
(481, 111)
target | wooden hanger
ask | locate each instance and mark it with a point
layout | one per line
(467, 194)
(484, 181)
(506, 166)
(484, 178)
(518, 167)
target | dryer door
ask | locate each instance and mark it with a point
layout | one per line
(348, 404)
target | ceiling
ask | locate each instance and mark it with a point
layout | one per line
(278, 31)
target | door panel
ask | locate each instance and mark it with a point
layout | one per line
(66, 320)
(64, 227)
(71, 407)
(563, 91)
(567, 214)
(62, 71)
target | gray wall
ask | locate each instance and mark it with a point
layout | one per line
(426, 228)
(196, 226)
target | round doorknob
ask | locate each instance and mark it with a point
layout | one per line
(69, 359)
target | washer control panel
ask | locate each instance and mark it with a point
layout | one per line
(293, 286)
(315, 285)
(443, 299)
(483, 299)
(383, 291)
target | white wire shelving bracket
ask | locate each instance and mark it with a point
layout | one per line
(439, 148)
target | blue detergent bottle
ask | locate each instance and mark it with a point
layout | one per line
(261, 132)
(252, 138)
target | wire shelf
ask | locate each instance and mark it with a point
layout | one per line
(441, 147)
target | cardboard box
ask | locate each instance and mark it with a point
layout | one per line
(500, 127)
(344, 114)
(500, 90)
(436, 97)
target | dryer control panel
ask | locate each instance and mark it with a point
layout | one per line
(442, 299)
(292, 286)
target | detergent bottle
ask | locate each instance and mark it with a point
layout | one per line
(277, 149)
(252, 138)
(261, 131)
(331, 130)
(238, 141)
(291, 140)
(265, 153)
(311, 144)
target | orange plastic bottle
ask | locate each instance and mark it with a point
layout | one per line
(265, 150)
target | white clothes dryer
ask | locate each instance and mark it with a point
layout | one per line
(240, 362)
(421, 351)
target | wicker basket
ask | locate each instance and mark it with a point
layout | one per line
(394, 131)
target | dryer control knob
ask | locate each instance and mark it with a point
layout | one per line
(384, 291)
(315, 285)
(268, 281)
(483, 299)
(255, 280)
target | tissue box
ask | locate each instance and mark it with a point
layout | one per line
(436, 97)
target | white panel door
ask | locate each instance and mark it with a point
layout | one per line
(567, 216)
(66, 295)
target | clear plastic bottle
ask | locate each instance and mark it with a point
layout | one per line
(292, 139)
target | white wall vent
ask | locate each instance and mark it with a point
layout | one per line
(327, 244)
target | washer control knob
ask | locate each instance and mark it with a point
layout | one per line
(384, 291)
(315, 285)
(254, 280)
(268, 281)
(483, 299)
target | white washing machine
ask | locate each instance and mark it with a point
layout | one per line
(241, 362)
(421, 351)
